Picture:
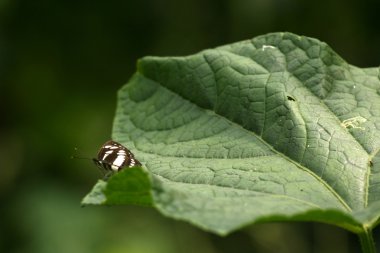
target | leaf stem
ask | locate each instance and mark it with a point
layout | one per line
(366, 241)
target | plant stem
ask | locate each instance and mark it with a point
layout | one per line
(367, 242)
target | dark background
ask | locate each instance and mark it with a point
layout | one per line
(61, 64)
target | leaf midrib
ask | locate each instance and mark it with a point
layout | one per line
(324, 183)
(238, 189)
(321, 100)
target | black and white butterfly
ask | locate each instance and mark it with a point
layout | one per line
(113, 157)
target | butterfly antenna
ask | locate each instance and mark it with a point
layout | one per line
(79, 157)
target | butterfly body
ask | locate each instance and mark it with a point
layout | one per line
(113, 157)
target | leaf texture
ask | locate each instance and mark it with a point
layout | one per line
(274, 128)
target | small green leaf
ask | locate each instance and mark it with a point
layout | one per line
(96, 196)
(274, 128)
(131, 186)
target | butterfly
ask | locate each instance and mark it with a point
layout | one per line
(113, 157)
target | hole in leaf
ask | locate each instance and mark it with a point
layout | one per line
(290, 98)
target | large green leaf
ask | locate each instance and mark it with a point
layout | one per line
(274, 128)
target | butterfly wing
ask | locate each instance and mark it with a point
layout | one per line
(113, 157)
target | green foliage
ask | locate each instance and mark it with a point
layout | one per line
(274, 128)
(131, 186)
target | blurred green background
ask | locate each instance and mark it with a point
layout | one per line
(61, 64)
